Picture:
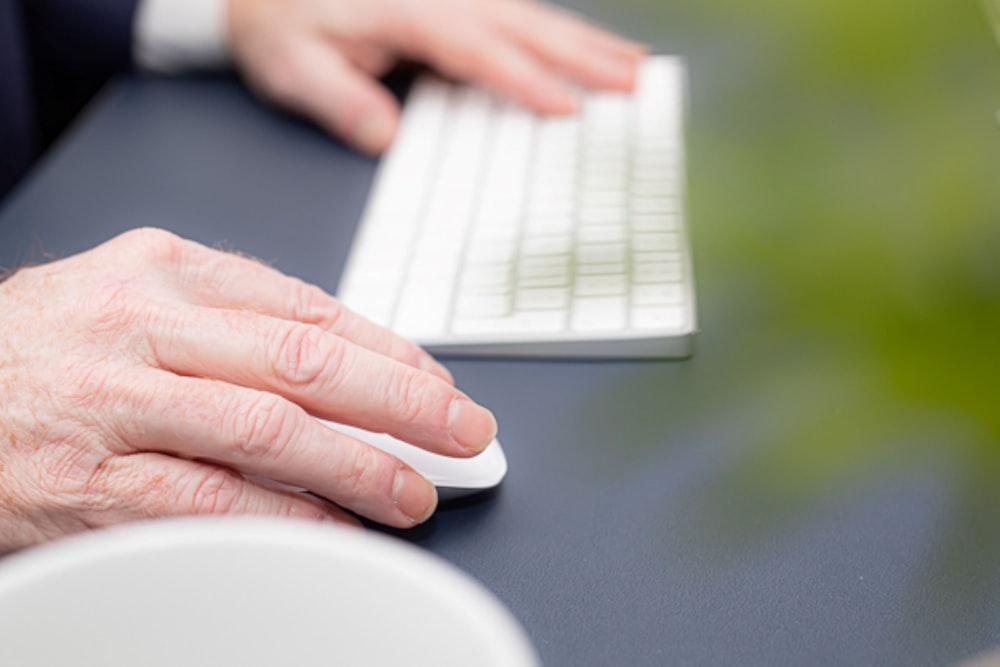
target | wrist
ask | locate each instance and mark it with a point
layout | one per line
(177, 35)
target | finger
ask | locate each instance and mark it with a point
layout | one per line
(348, 103)
(327, 375)
(564, 26)
(491, 59)
(579, 51)
(263, 435)
(150, 484)
(372, 60)
(224, 280)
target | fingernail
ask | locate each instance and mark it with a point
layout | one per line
(570, 101)
(413, 495)
(627, 73)
(641, 48)
(374, 133)
(471, 426)
(619, 72)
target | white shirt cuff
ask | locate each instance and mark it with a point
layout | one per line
(176, 35)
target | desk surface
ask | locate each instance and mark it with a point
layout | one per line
(820, 484)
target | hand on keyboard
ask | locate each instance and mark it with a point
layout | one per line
(321, 57)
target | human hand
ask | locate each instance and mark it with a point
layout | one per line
(322, 57)
(147, 376)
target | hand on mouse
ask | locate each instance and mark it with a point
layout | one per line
(146, 377)
(322, 57)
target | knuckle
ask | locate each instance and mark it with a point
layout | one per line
(409, 22)
(358, 471)
(332, 314)
(106, 401)
(150, 245)
(306, 355)
(65, 470)
(115, 311)
(76, 476)
(264, 427)
(408, 395)
(206, 269)
(216, 490)
(118, 297)
(286, 75)
(312, 305)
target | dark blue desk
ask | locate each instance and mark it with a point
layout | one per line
(820, 484)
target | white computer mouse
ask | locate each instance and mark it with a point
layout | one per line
(453, 477)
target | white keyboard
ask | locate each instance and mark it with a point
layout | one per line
(493, 231)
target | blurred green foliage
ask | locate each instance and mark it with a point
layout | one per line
(844, 206)
(844, 200)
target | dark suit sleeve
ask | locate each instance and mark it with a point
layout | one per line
(75, 46)
(17, 128)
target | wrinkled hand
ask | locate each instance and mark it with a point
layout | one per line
(321, 57)
(145, 377)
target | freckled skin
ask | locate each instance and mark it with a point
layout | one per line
(149, 376)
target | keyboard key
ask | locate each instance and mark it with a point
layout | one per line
(593, 314)
(544, 280)
(647, 205)
(540, 322)
(552, 298)
(653, 242)
(657, 317)
(478, 306)
(600, 285)
(601, 253)
(602, 234)
(547, 245)
(548, 224)
(657, 294)
(496, 251)
(615, 199)
(423, 310)
(605, 215)
(551, 207)
(653, 188)
(654, 222)
(611, 268)
(656, 272)
(543, 265)
(488, 279)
